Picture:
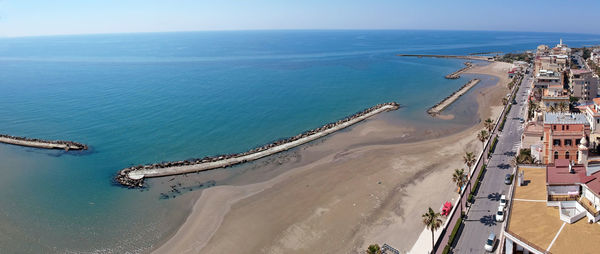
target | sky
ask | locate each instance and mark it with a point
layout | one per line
(53, 17)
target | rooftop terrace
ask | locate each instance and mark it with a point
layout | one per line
(564, 118)
(531, 220)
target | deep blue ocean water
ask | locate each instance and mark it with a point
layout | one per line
(142, 98)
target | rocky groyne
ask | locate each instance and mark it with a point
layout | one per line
(456, 74)
(470, 57)
(40, 143)
(134, 176)
(437, 108)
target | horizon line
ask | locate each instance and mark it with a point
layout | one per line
(290, 29)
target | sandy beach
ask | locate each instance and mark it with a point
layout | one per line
(363, 191)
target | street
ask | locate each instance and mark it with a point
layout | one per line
(480, 220)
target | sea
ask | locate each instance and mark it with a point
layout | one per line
(151, 97)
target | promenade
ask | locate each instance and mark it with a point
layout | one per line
(479, 220)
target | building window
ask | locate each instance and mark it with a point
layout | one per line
(562, 127)
(555, 155)
(567, 127)
(567, 155)
(568, 142)
(554, 127)
(577, 141)
(556, 142)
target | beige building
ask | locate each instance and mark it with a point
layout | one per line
(583, 84)
(592, 113)
(554, 96)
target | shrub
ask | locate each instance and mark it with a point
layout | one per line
(493, 147)
(454, 231)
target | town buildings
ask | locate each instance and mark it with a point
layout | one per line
(583, 84)
(562, 132)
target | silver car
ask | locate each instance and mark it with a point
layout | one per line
(489, 244)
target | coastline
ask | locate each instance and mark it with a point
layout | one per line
(311, 207)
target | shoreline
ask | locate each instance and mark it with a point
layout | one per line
(43, 144)
(226, 214)
(134, 176)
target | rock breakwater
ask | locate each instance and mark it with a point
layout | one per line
(437, 108)
(40, 143)
(456, 74)
(134, 176)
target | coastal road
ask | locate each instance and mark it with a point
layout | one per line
(480, 220)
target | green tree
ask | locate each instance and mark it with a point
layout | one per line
(504, 101)
(459, 178)
(374, 249)
(432, 221)
(489, 124)
(483, 135)
(469, 159)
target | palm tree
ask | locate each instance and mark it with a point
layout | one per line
(374, 249)
(483, 136)
(551, 109)
(533, 107)
(460, 179)
(432, 221)
(489, 124)
(469, 159)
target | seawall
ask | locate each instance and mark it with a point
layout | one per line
(44, 144)
(134, 176)
(437, 108)
(471, 57)
(456, 74)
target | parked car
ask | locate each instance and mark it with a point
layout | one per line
(500, 213)
(503, 201)
(521, 120)
(508, 179)
(489, 244)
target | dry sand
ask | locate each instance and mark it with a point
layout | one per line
(344, 201)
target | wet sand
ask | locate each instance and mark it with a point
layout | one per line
(342, 202)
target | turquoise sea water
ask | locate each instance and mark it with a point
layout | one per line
(142, 98)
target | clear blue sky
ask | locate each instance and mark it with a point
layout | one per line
(48, 17)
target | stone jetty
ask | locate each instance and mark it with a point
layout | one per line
(39, 143)
(134, 176)
(471, 57)
(437, 108)
(456, 74)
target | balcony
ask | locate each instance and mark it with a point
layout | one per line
(588, 205)
(564, 197)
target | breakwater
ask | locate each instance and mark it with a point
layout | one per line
(456, 74)
(437, 108)
(471, 57)
(40, 143)
(134, 176)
